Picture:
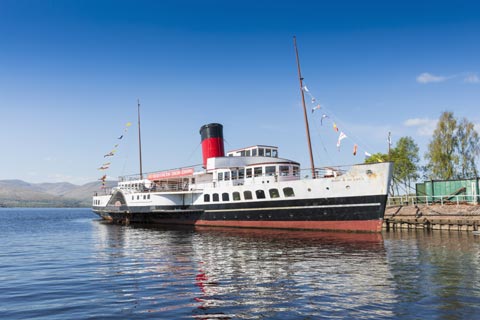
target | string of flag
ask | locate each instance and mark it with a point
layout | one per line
(106, 165)
(328, 117)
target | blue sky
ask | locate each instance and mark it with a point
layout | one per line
(72, 71)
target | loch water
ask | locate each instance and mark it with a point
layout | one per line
(66, 264)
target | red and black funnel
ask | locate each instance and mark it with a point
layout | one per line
(212, 141)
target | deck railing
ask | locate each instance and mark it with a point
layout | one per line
(431, 200)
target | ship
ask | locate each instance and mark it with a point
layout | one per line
(251, 187)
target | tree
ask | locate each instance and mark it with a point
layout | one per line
(453, 149)
(406, 158)
(441, 156)
(468, 149)
(377, 157)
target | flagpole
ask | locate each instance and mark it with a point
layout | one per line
(139, 139)
(304, 109)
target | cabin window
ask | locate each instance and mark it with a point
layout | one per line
(234, 174)
(270, 170)
(254, 152)
(148, 197)
(220, 176)
(215, 197)
(225, 197)
(274, 193)
(274, 153)
(249, 172)
(268, 152)
(193, 180)
(206, 198)
(241, 173)
(138, 197)
(242, 153)
(247, 153)
(260, 194)
(257, 171)
(283, 171)
(288, 192)
(296, 171)
(227, 176)
(144, 197)
(261, 152)
(236, 196)
(133, 197)
(247, 195)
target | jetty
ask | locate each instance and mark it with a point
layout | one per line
(443, 214)
(436, 205)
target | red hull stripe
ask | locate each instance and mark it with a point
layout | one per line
(352, 225)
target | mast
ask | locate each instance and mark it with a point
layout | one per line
(139, 139)
(304, 109)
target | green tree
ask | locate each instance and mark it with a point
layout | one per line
(468, 149)
(441, 155)
(406, 158)
(377, 157)
(453, 150)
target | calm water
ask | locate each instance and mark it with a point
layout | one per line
(64, 264)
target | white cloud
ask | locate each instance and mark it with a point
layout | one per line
(468, 77)
(428, 77)
(471, 78)
(425, 126)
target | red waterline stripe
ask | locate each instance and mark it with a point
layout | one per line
(352, 225)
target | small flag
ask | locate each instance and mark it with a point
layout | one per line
(355, 147)
(316, 108)
(313, 100)
(335, 127)
(340, 138)
(323, 117)
(111, 153)
(103, 178)
(119, 138)
(128, 124)
(305, 89)
(367, 154)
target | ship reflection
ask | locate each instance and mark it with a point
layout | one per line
(223, 273)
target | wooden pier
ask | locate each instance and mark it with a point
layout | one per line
(458, 217)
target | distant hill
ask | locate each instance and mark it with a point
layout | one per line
(18, 193)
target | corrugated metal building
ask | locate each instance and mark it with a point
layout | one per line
(464, 190)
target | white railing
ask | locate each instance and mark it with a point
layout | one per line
(430, 200)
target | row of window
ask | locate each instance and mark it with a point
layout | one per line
(96, 202)
(248, 195)
(256, 172)
(261, 152)
(145, 197)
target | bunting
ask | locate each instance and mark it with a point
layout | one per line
(328, 116)
(106, 165)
